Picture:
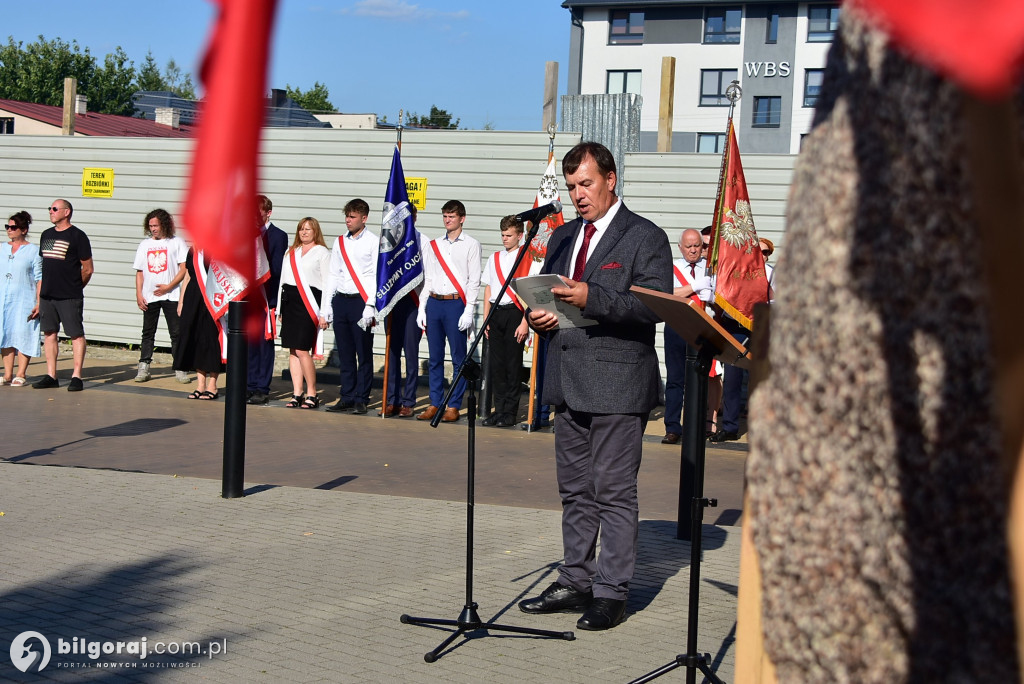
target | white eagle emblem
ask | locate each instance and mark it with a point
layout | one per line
(737, 228)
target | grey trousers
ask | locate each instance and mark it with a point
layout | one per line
(597, 457)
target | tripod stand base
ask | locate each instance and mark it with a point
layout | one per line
(691, 663)
(469, 621)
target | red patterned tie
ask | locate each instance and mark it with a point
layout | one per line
(581, 258)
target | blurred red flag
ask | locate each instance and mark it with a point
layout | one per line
(980, 45)
(220, 209)
(735, 256)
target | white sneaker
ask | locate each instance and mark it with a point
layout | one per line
(182, 377)
(143, 374)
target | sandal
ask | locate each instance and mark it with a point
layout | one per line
(311, 403)
(18, 381)
(196, 394)
(208, 396)
(296, 401)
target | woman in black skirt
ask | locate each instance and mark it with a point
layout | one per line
(303, 277)
(198, 337)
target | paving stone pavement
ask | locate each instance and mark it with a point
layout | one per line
(297, 584)
(304, 585)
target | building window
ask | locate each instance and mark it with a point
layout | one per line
(722, 24)
(713, 83)
(767, 112)
(812, 86)
(710, 143)
(7, 125)
(772, 31)
(823, 20)
(626, 28)
(623, 82)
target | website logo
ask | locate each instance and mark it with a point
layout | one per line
(24, 657)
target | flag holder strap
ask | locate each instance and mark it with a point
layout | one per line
(469, 619)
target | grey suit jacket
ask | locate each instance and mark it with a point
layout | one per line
(610, 367)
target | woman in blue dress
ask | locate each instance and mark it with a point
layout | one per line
(21, 269)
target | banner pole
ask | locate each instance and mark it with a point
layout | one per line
(387, 325)
(733, 92)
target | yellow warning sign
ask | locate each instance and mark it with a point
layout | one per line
(417, 189)
(97, 182)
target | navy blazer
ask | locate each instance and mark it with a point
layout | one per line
(277, 243)
(610, 367)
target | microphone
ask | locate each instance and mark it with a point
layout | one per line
(537, 213)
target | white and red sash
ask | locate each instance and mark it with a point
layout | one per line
(216, 298)
(352, 271)
(715, 370)
(312, 308)
(501, 277)
(448, 271)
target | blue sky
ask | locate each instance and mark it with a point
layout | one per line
(482, 60)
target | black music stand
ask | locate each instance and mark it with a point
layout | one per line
(469, 620)
(706, 342)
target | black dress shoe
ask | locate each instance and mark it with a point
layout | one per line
(557, 598)
(670, 438)
(491, 420)
(339, 406)
(603, 613)
(725, 436)
(258, 399)
(359, 409)
(505, 421)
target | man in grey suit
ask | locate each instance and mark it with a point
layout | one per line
(603, 382)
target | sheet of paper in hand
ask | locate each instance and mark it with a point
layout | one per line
(534, 292)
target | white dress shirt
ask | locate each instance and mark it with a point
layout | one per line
(600, 228)
(463, 258)
(362, 252)
(507, 260)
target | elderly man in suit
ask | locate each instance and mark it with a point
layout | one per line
(603, 382)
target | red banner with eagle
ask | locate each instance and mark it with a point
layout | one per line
(735, 256)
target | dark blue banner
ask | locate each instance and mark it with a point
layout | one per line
(400, 264)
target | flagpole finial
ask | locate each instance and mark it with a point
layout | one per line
(551, 130)
(733, 92)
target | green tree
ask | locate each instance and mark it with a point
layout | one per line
(178, 82)
(438, 118)
(316, 99)
(112, 86)
(148, 77)
(36, 72)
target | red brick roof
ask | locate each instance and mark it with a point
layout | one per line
(96, 124)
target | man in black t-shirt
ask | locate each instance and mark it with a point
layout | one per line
(67, 268)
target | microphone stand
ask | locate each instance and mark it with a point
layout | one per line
(469, 620)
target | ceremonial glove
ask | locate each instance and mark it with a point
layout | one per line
(702, 283)
(707, 295)
(421, 319)
(466, 319)
(366, 322)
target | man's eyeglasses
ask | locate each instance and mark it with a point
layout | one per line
(55, 208)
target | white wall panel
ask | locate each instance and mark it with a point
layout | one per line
(313, 172)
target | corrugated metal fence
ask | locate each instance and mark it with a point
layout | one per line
(315, 172)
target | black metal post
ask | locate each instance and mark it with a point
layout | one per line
(234, 404)
(691, 507)
(695, 408)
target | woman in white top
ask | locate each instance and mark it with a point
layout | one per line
(303, 277)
